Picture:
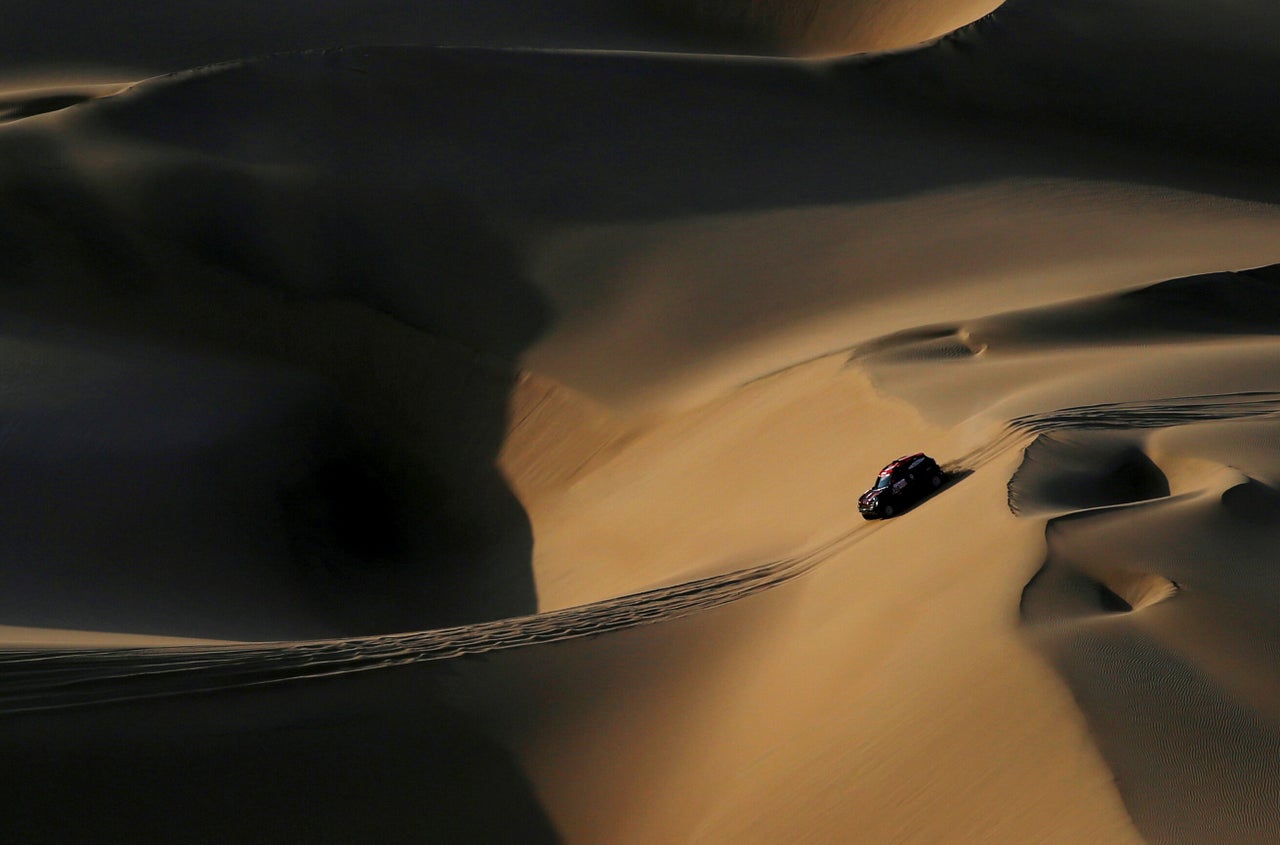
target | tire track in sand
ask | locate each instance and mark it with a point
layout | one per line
(34, 679)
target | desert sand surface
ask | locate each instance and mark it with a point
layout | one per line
(445, 423)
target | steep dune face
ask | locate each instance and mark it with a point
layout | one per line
(232, 264)
(313, 455)
(1078, 471)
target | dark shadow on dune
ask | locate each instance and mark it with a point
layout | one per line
(14, 108)
(1064, 590)
(1138, 73)
(217, 422)
(337, 762)
(1253, 502)
(1077, 470)
(1110, 602)
(595, 136)
(1053, 594)
(256, 410)
(1213, 304)
(941, 344)
(148, 37)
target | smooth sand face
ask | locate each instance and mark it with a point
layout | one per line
(479, 432)
(857, 270)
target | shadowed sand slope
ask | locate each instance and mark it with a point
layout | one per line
(302, 766)
(151, 37)
(252, 460)
(298, 415)
(1164, 71)
(1079, 472)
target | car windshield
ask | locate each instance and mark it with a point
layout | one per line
(881, 482)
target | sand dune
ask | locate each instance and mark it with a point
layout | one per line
(456, 436)
(819, 27)
(1176, 625)
(151, 37)
(1152, 70)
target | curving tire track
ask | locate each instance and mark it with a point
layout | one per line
(35, 679)
(1141, 414)
(50, 679)
(1154, 413)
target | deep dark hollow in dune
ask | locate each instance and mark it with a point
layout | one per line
(1253, 502)
(1080, 470)
(267, 431)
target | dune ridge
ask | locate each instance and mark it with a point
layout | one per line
(818, 28)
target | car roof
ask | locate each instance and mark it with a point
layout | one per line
(892, 465)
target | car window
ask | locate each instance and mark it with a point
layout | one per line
(881, 482)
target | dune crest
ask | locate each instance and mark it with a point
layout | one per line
(19, 103)
(821, 27)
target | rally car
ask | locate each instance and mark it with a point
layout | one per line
(903, 482)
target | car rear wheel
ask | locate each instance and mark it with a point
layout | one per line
(936, 481)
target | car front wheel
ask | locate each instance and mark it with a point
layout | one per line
(888, 511)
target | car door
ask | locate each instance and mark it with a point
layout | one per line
(901, 482)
